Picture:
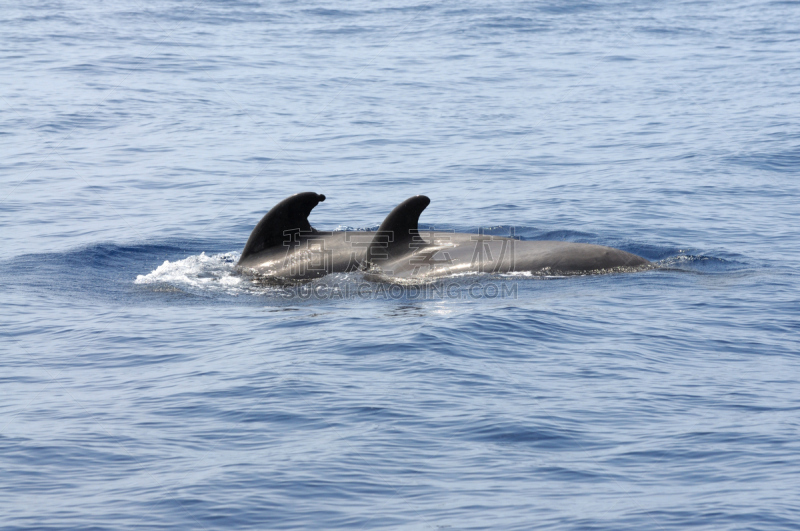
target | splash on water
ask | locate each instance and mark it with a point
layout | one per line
(216, 272)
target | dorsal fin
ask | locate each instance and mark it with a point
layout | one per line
(291, 214)
(398, 230)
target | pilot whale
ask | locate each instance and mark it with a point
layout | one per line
(399, 250)
(285, 246)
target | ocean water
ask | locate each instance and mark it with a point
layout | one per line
(145, 384)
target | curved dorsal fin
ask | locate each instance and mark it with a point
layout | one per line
(398, 230)
(291, 214)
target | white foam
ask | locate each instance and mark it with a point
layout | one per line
(215, 272)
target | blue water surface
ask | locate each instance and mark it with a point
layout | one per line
(144, 384)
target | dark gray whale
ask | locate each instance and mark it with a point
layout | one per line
(400, 250)
(284, 245)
